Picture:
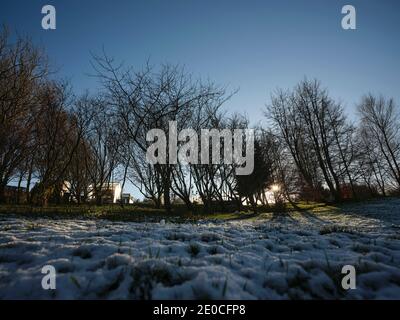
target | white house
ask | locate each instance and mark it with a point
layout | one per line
(111, 193)
(126, 198)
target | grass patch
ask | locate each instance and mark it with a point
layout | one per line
(147, 213)
(336, 229)
(194, 249)
(82, 252)
(128, 213)
(146, 275)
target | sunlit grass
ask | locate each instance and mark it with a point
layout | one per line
(145, 212)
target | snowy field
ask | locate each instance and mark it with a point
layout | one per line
(296, 256)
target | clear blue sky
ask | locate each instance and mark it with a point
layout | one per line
(256, 46)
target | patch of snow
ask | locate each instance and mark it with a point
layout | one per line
(285, 258)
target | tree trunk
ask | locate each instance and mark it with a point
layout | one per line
(253, 203)
(28, 183)
(19, 189)
(2, 193)
(166, 188)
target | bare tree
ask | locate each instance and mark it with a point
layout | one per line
(22, 68)
(149, 99)
(103, 143)
(317, 134)
(57, 136)
(380, 122)
(289, 127)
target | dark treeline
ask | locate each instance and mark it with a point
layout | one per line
(309, 151)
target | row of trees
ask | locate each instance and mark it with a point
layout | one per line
(332, 156)
(310, 150)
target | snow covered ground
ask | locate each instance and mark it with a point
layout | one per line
(297, 256)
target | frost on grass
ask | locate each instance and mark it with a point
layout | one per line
(293, 257)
